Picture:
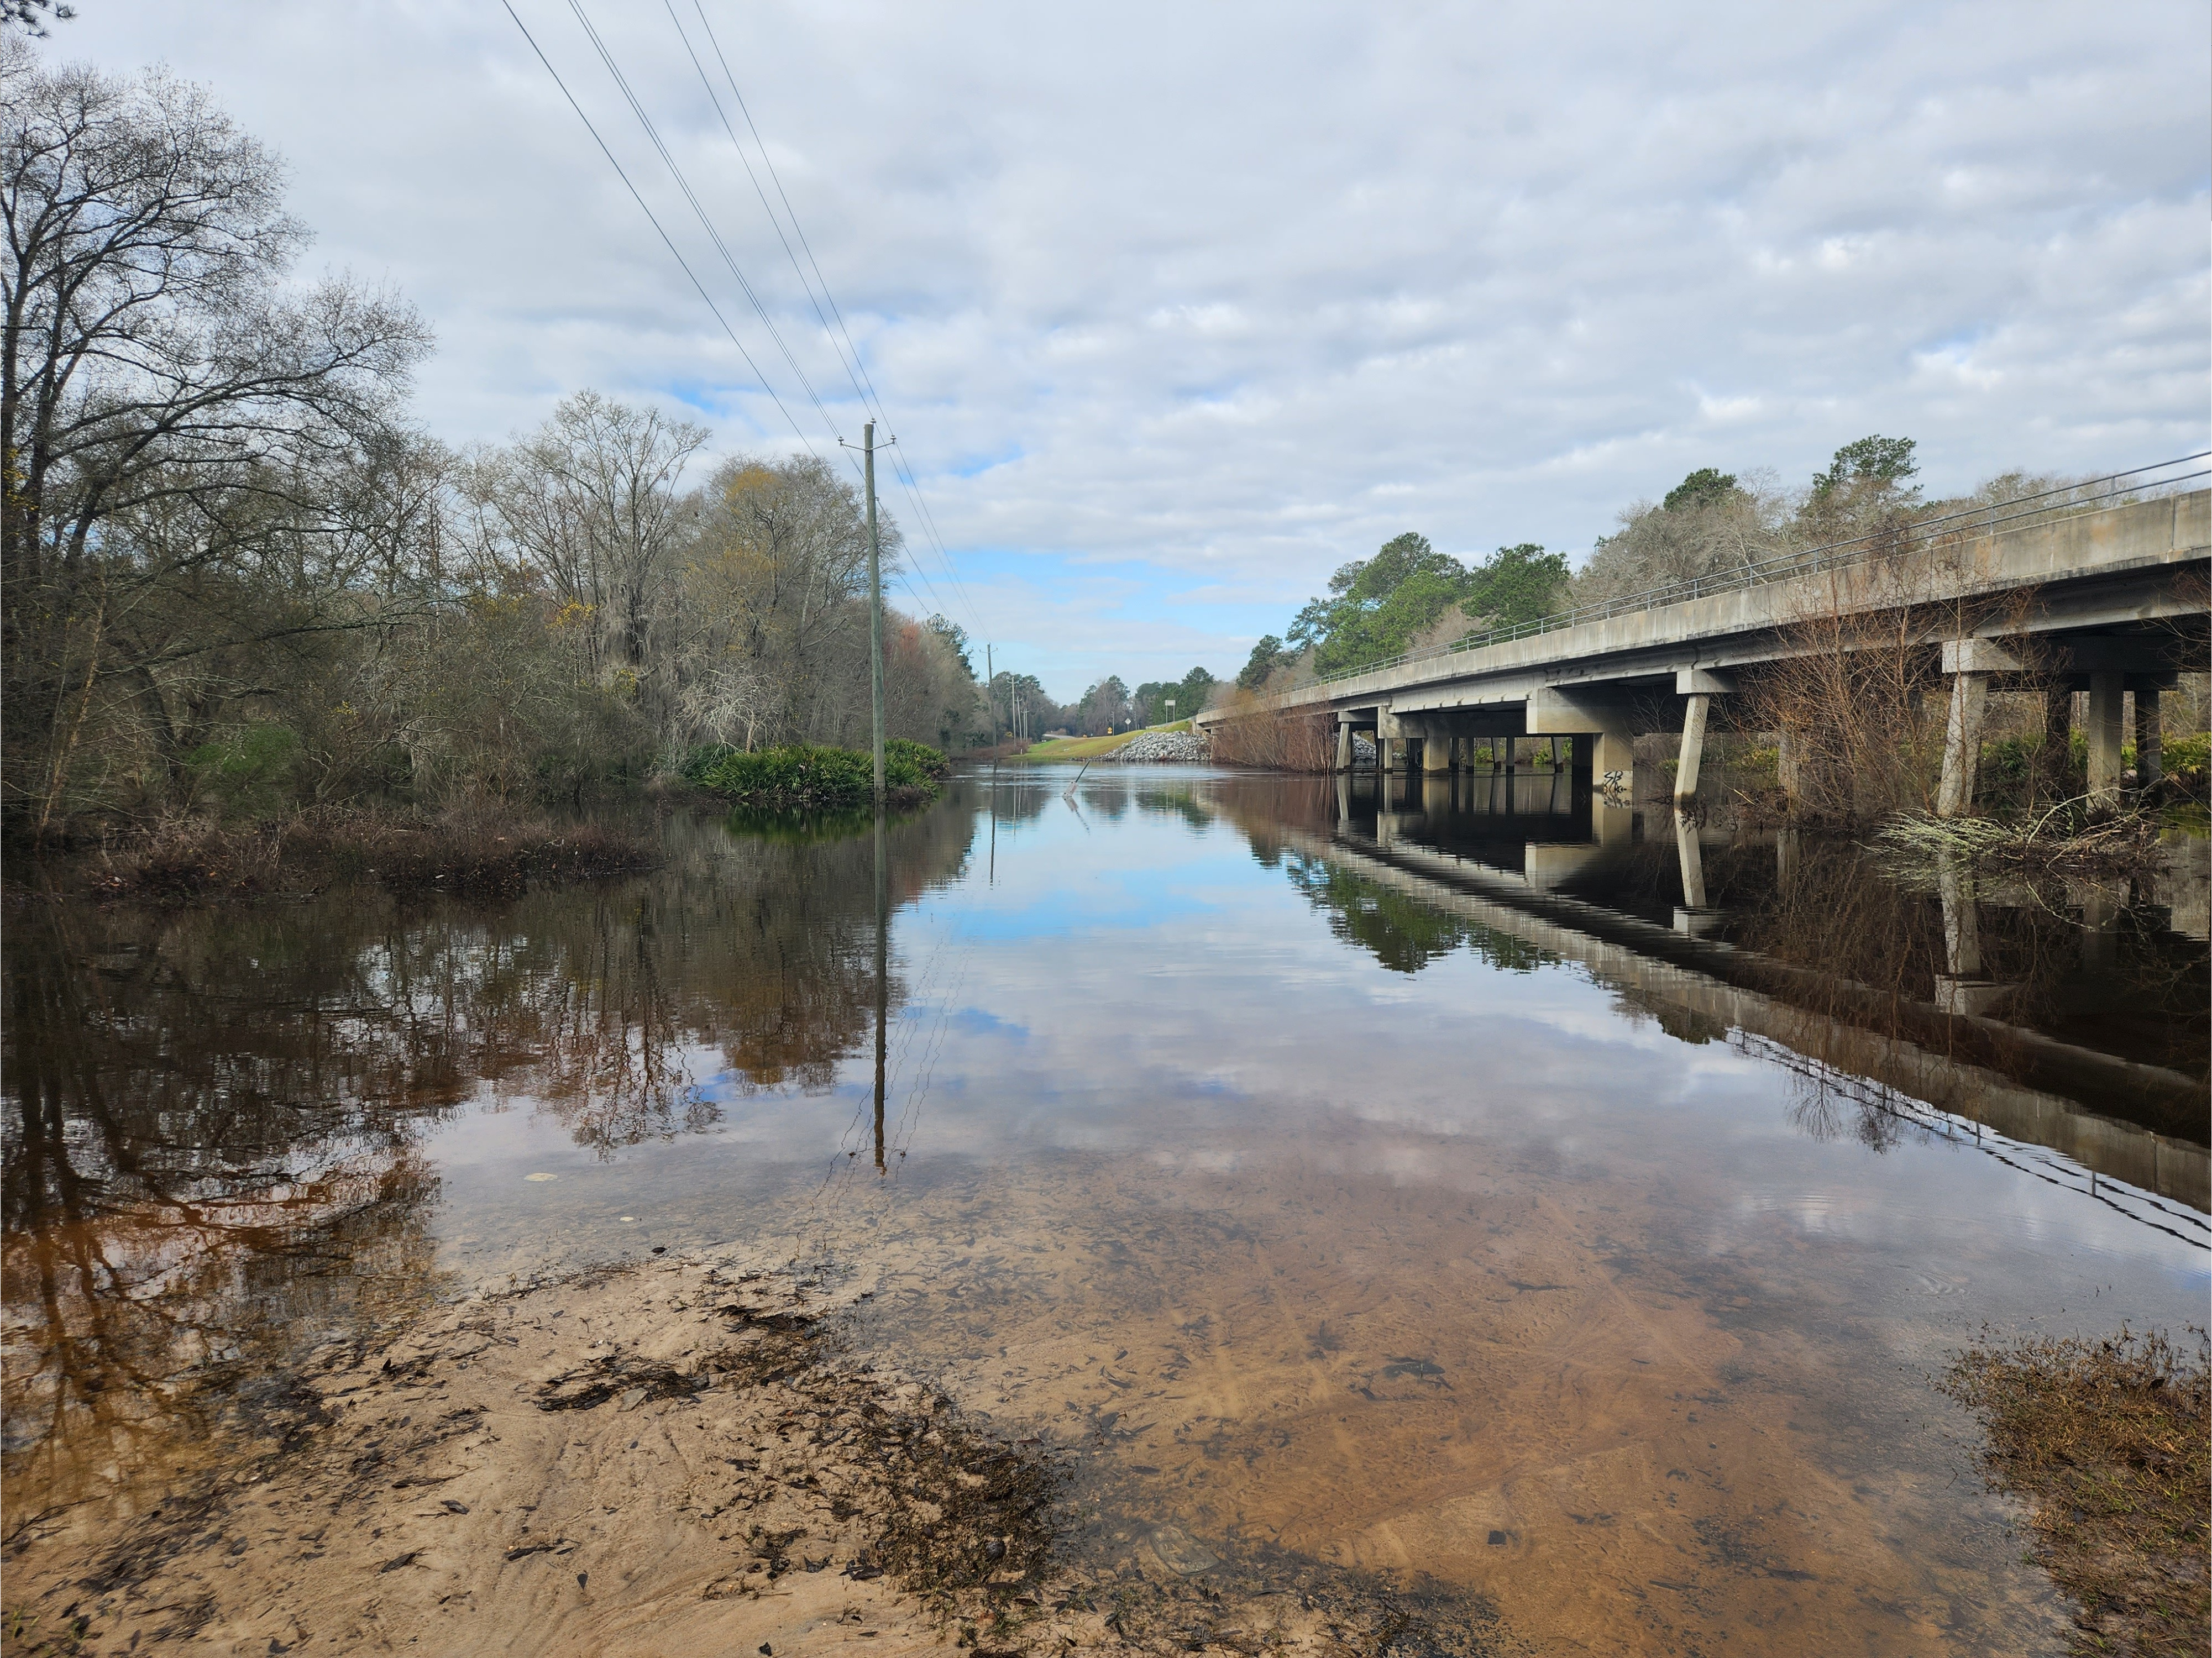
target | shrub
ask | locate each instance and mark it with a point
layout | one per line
(926, 761)
(816, 777)
(2186, 761)
(247, 773)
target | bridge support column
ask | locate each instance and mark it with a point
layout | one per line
(2055, 764)
(1789, 767)
(1964, 990)
(1697, 687)
(1600, 725)
(1693, 915)
(1692, 750)
(1962, 744)
(2149, 760)
(1343, 743)
(2105, 689)
(1614, 758)
(1435, 747)
(1970, 662)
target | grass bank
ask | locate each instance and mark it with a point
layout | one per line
(1095, 748)
(481, 848)
(818, 779)
(2106, 1442)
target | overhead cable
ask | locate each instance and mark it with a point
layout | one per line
(698, 209)
(655, 220)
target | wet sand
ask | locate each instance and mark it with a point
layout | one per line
(1616, 1454)
(672, 1458)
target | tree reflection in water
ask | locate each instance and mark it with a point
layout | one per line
(214, 1119)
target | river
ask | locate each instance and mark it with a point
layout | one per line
(1456, 1182)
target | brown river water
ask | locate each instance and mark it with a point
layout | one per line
(1466, 1182)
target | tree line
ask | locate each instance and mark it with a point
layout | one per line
(236, 573)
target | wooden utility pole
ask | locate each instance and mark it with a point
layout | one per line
(875, 605)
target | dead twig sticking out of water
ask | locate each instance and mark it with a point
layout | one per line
(2106, 1441)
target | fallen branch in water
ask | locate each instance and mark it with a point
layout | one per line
(2070, 837)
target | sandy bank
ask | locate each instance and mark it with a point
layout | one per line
(672, 1458)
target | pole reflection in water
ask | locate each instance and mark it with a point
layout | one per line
(882, 977)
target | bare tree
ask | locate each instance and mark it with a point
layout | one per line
(774, 586)
(590, 503)
(164, 392)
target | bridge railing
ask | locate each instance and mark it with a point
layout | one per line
(1890, 541)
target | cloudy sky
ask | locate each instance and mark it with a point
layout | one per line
(1176, 307)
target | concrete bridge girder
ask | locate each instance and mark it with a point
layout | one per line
(2085, 604)
(2132, 568)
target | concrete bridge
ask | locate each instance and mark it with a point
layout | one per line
(2108, 600)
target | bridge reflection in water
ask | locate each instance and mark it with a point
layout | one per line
(1997, 1017)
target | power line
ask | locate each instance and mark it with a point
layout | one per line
(872, 405)
(768, 162)
(699, 210)
(863, 385)
(706, 223)
(849, 355)
(655, 220)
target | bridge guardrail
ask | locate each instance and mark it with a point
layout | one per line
(1888, 542)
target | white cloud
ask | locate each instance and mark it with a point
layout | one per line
(1218, 280)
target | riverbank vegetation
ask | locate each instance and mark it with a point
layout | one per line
(461, 849)
(814, 778)
(2106, 1441)
(249, 602)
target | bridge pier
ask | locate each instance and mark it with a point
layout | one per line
(2149, 760)
(1964, 990)
(1692, 750)
(1970, 662)
(2106, 687)
(1435, 747)
(1789, 767)
(1697, 687)
(1599, 724)
(1343, 743)
(1693, 916)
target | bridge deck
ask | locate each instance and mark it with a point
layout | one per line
(2115, 569)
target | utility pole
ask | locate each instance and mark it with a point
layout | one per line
(875, 607)
(991, 701)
